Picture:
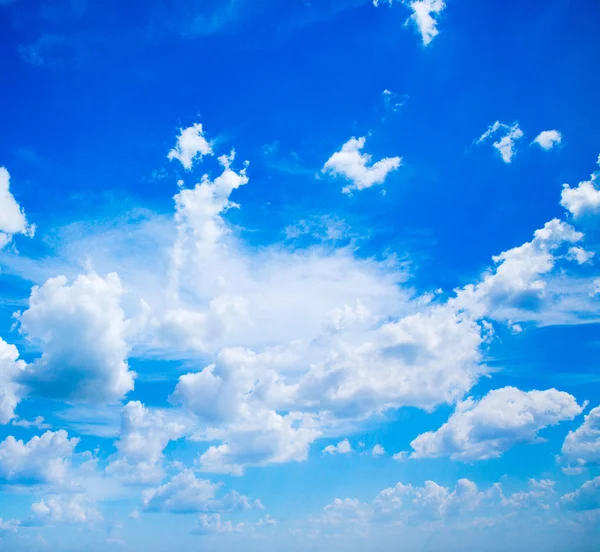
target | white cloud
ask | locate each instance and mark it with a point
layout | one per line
(75, 508)
(12, 217)
(10, 390)
(261, 438)
(517, 288)
(582, 200)
(435, 506)
(44, 459)
(38, 423)
(478, 430)
(587, 497)
(378, 450)
(143, 437)
(185, 494)
(191, 144)
(582, 446)
(538, 496)
(212, 524)
(423, 17)
(547, 139)
(343, 447)
(83, 333)
(288, 344)
(579, 254)
(506, 144)
(353, 165)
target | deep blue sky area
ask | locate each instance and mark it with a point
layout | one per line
(378, 323)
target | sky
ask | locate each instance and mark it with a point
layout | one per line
(305, 274)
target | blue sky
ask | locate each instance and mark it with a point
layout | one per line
(312, 274)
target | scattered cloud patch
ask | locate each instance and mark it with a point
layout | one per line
(343, 447)
(356, 167)
(37, 423)
(393, 101)
(509, 136)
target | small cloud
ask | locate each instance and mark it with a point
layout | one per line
(506, 144)
(355, 166)
(378, 450)
(547, 139)
(343, 447)
(401, 456)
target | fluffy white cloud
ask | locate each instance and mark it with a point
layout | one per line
(256, 439)
(478, 430)
(547, 139)
(424, 17)
(143, 437)
(75, 508)
(582, 446)
(10, 390)
(582, 200)
(356, 167)
(12, 217)
(517, 286)
(510, 134)
(378, 450)
(186, 494)
(191, 144)
(44, 459)
(587, 497)
(291, 344)
(83, 333)
(343, 447)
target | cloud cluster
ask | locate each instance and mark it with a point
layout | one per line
(44, 459)
(478, 430)
(184, 493)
